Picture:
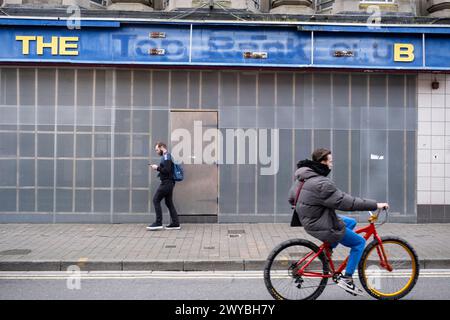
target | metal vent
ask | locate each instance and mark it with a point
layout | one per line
(15, 252)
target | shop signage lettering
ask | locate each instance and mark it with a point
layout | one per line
(228, 46)
(404, 52)
(62, 46)
(142, 46)
(68, 46)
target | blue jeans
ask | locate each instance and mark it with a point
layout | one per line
(354, 241)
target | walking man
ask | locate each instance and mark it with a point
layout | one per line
(165, 189)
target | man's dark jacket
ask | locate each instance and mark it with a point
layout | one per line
(318, 200)
(165, 168)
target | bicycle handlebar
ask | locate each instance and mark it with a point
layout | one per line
(374, 217)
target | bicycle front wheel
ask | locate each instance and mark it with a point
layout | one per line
(394, 280)
(281, 272)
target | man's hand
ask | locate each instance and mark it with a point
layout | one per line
(382, 205)
(154, 166)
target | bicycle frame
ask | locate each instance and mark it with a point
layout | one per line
(368, 231)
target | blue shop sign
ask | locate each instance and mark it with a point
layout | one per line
(191, 44)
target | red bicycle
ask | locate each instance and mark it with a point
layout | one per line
(298, 269)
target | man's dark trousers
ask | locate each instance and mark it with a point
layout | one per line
(165, 191)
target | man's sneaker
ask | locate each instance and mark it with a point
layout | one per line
(346, 283)
(173, 226)
(155, 226)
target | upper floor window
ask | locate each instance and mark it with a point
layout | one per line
(324, 5)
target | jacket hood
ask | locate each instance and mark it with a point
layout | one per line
(308, 169)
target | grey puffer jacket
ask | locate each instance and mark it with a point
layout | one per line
(318, 200)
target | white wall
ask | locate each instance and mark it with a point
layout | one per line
(433, 140)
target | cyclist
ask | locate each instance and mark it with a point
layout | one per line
(318, 200)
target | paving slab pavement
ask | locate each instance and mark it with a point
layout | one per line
(196, 247)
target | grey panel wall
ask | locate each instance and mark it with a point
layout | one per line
(75, 143)
(368, 121)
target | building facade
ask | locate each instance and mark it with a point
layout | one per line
(240, 101)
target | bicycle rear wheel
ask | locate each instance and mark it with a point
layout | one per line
(281, 271)
(384, 284)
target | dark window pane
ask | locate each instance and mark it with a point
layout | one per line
(83, 201)
(102, 173)
(84, 144)
(83, 173)
(8, 200)
(140, 201)
(45, 173)
(26, 200)
(64, 145)
(64, 176)
(26, 145)
(85, 87)
(66, 87)
(45, 145)
(102, 145)
(44, 200)
(121, 201)
(102, 200)
(8, 144)
(122, 173)
(26, 173)
(63, 200)
(8, 170)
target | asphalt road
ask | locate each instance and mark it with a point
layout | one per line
(432, 284)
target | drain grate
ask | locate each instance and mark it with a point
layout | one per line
(209, 247)
(170, 246)
(15, 252)
(235, 233)
(240, 231)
